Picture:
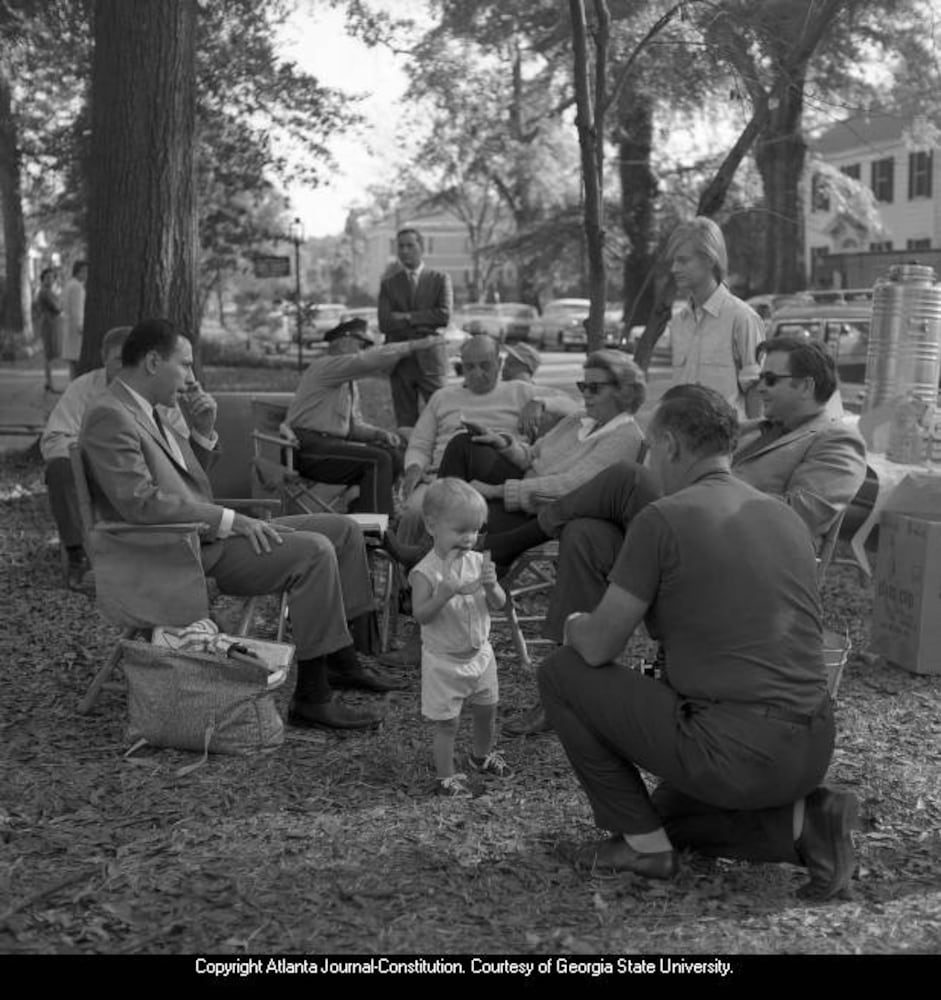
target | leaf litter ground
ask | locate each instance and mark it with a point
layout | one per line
(334, 844)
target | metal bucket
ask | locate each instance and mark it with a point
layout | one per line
(903, 362)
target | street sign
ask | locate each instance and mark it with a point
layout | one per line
(272, 267)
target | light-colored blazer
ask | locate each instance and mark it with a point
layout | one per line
(817, 468)
(135, 477)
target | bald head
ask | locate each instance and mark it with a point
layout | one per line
(480, 363)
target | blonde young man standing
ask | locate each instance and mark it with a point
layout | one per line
(714, 335)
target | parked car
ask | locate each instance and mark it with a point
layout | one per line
(844, 328)
(662, 351)
(561, 325)
(320, 318)
(276, 334)
(767, 305)
(506, 321)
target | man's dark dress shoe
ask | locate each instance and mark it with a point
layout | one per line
(361, 676)
(825, 845)
(616, 855)
(330, 715)
(78, 574)
(531, 722)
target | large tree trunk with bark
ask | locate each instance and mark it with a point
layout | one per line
(638, 192)
(780, 155)
(142, 225)
(15, 321)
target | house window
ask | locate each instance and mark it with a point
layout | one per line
(883, 176)
(924, 244)
(819, 196)
(851, 170)
(919, 175)
(880, 246)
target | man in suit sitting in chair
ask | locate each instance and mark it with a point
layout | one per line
(144, 472)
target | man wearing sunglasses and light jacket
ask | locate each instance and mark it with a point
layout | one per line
(799, 452)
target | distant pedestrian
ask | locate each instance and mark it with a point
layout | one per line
(73, 302)
(413, 303)
(715, 335)
(453, 590)
(49, 309)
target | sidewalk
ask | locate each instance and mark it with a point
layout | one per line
(24, 404)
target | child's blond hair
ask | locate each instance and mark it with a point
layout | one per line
(448, 494)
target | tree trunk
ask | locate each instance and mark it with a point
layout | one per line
(780, 155)
(590, 141)
(142, 226)
(638, 191)
(15, 320)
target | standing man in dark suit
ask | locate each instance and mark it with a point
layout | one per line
(414, 303)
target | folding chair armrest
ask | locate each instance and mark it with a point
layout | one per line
(125, 528)
(243, 503)
(281, 442)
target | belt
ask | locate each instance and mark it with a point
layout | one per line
(782, 714)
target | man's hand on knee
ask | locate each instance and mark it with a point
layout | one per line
(260, 533)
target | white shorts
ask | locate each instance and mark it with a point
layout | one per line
(447, 682)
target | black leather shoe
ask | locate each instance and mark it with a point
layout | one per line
(616, 855)
(78, 574)
(825, 844)
(363, 677)
(330, 715)
(531, 722)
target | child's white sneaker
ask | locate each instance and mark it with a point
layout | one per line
(494, 763)
(456, 786)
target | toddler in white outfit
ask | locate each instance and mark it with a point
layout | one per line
(454, 588)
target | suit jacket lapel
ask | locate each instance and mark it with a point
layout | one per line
(147, 425)
(808, 428)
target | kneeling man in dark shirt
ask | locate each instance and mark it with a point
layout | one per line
(740, 728)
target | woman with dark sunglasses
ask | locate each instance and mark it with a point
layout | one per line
(516, 477)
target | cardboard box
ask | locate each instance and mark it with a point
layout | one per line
(906, 611)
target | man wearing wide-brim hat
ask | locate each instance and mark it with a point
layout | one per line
(337, 445)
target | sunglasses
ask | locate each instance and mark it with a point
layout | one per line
(772, 378)
(591, 388)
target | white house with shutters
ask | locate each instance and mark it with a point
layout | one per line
(894, 155)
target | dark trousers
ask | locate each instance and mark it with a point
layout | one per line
(466, 460)
(322, 564)
(63, 500)
(372, 467)
(411, 380)
(731, 774)
(590, 523)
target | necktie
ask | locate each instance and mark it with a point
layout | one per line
(159, 423)
(413, 284)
